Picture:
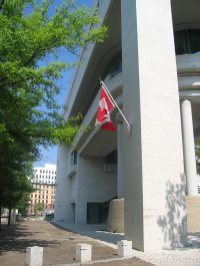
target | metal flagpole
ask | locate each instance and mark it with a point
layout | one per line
(114, 103)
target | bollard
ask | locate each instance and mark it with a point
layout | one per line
(34, 256)
(124, 248)
(83, 252)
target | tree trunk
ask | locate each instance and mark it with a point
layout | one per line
(14, 215)
(9, 214)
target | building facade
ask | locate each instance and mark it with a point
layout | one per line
(150, 62)
(43, 180)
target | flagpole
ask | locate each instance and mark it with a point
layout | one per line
(114, 103)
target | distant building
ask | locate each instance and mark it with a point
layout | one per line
(43, 180)
(198, 183)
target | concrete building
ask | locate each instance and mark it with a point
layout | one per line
(43, 180)
(150, 64)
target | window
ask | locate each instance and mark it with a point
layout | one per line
(74, 158)
(111, 158)
(187, 41)
(114, 67)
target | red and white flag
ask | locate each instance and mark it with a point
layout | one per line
(103, 112)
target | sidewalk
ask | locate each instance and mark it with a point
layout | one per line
(59, 246)
(187, 256)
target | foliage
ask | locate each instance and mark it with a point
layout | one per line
(197, 151)
(39, 207)
(23, 204)
(30, 31)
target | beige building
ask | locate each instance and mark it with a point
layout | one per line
(43, 180)
(44, 194)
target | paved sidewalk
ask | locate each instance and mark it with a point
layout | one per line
(188, 256)
(59, 246)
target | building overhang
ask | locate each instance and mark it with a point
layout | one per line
(186, 14)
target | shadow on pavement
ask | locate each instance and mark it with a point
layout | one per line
(16, 238)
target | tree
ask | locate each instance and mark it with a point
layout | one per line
(23, 204)
(14, 189)
(39, 207)
(28, 112)
(197, 151)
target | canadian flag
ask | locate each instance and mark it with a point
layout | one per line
(103, 112)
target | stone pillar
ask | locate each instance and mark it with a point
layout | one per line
(34, 256)
(188, 147)
(120, 158)
(83, 252)
(63, 208)
(154, 188)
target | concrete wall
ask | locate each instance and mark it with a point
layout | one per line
(193, 214)
(63, 207)
(93, 185)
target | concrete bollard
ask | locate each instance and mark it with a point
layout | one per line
(34, 256)
(124, 248)
(83, 252)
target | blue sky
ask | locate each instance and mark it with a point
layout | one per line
(50, 155)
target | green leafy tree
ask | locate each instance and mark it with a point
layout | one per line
(29, 116)
(197, 150)
(39, 207)
(14, 190)
(23, 204)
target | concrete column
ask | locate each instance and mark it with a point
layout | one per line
(154, 189)
(188, 147)
(64, 210)
(120, 158)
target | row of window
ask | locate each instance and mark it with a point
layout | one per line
(43, 171)
(46, 187)
(41, 201)
(186, 42)
(42, 196)
(43, 176)
(43, 182)
(44, 192)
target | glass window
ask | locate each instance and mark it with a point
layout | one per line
(114, 67)
(181, 42)
(73, 158)
(187, 41)
(195, 41)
